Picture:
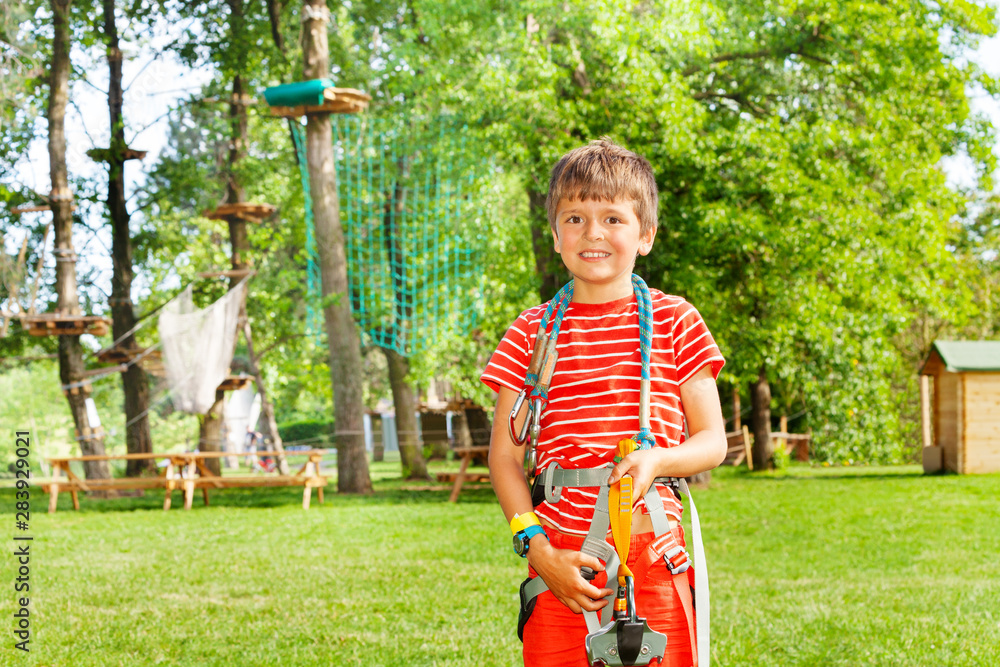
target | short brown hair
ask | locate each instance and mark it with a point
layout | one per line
(603, 170)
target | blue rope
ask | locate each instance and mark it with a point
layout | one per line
(644, 438)
(557, 306)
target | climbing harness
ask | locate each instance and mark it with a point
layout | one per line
(617, 635)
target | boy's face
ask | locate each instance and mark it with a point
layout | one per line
(598, 242)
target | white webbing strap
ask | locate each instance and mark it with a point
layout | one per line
(701, 598)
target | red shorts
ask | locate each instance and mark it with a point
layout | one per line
(554, 636)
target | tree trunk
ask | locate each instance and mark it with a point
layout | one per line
(210, 426)
(546, 263)
(265, 404)
(760, 421)
(137, 435)
(460, 427)
(346, 370)
(410, 452)
(210, 431)
(702, 479)
(61, 201)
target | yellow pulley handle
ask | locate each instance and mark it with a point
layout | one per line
(620, 512)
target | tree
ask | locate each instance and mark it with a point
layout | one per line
(342, 333)
(137, 436)
(61, 202)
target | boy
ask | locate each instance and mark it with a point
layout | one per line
(602, 203)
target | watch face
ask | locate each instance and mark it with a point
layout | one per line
(520, 544)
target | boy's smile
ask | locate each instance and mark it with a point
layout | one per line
(598, 242)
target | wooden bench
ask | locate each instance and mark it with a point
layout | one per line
(740, 445)
(738, 448)
(466, 454)
(185, 471)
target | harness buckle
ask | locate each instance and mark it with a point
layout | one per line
(677, 559)
(552, 492)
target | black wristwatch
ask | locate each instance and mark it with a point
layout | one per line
(522, 538)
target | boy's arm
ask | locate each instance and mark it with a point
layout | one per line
(558, 568)
(704, 449)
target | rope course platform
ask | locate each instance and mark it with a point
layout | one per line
(105, 154)
(65, 325)
(294, 100)
(228, 273)
(124, 355)
(242, 211)
(234, 382)
(18, 210)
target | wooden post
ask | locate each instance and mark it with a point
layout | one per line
(737, 421)
(311, 469)
(925, 409)
(782, 442)
(189, 484)
(747, 448)
(460, 478)
(54, 488)
(169, 485)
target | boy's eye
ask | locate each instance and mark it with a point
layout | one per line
(574, 219)
(613, 220)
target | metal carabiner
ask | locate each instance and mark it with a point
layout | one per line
(536, 422)
(513, 416)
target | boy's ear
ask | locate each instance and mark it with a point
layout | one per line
(646, 242)
(555, 239)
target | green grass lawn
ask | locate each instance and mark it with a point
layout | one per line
(833, 566)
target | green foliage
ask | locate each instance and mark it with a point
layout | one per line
(311, 432)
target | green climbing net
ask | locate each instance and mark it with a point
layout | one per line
(406, 202)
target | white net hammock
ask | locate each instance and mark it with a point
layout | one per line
(198, 346)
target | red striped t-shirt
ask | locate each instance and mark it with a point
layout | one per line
(594, 395)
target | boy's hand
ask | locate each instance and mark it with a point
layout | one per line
(560, 570)
(643, 465)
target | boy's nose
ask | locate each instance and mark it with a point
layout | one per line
(592, 231)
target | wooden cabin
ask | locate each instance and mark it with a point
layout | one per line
(961, 422)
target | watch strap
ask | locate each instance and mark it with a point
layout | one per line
(523, 521)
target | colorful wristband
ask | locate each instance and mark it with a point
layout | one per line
(522, 521)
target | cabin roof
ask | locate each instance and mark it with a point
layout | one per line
(961, 356)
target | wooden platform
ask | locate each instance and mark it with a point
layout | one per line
(230, 273)
(18, 210)
(337, 100)
(65, 325)
(243, 211)
(234, 382)
(104, 154)
(124, 355)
